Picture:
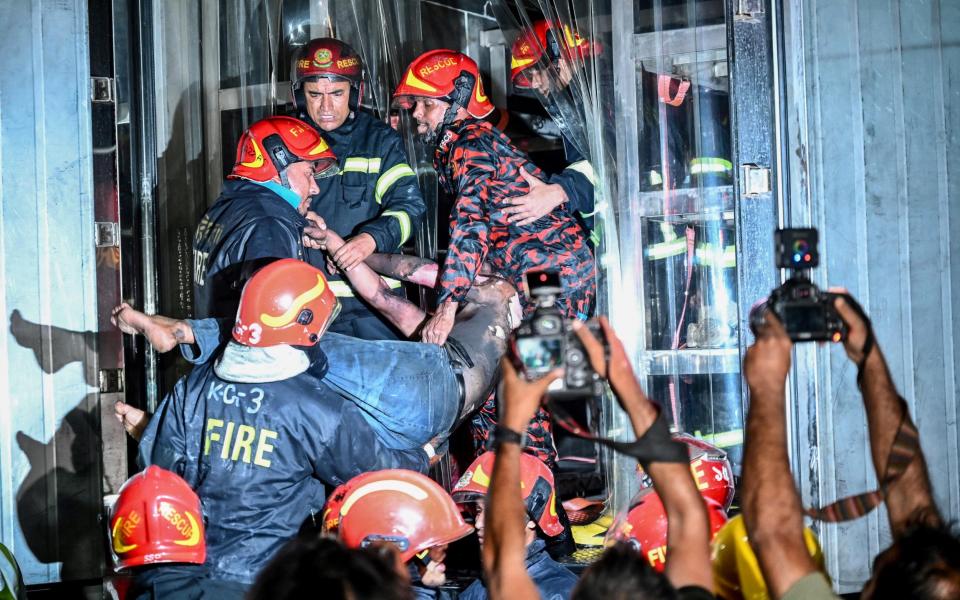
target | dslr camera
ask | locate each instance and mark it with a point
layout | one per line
(544, 341)
(806, 312)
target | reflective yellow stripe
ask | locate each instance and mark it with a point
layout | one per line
(390, 177)
(342, 289)
(359, 164)
(723, 439)
(665, 249)
(595, 237)
(404, 220)
(586, 169)
(655, 178)
(710, 255)
(710, 165)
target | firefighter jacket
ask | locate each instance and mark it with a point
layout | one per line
(247, 227)
(553, 580)
(258, 449)
(480, 169)
(375, 192)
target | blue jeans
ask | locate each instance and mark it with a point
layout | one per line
(408, 390)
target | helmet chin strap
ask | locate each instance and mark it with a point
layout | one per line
(462, 88)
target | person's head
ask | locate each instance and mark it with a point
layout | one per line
(622, 574)
(287, 302)
(327, 82)
(923, 563)
(308, 564)
(286, 151)
(536, 489)
(156, 519)
(441, 87)
(542, 58)
(404, 508)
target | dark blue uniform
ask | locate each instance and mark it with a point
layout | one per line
(553, 580)
(258, 454)
(376, 192)
(247, 227)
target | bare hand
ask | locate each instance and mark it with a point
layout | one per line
(857, 327)
(436, 330)
(315, 233)
(522, 398)
(767, 361)
(134, 420)
(434, 575)
(618, 371)
(162, 332)
(539, 201)
(355, 251)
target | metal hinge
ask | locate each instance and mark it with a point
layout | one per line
(107, 234)
(111, 381)
(101, 89)
(748, 10)
(754, 180)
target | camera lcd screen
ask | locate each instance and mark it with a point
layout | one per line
(804, 321)
(540, 355)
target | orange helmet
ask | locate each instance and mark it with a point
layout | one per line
(446, 75)
(271, 145)
(327, 58)
(156, 519)
(710, 469)
(285, 302)
(536, 488)
(402, 507)
(644, 526)
(542, 45)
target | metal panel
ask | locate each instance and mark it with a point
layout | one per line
(50, 495)
(873, 107)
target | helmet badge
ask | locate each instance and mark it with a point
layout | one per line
(323, 58)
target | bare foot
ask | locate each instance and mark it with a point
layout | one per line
(162, 332)
(133, 419)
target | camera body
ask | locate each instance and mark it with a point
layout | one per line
(544, 341)
(807, 313)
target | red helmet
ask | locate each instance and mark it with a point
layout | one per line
(327, 58)
(446, 75)
(644, 526)
(285, 302)
(543, 45)
(284, 141)
(156, 519)
(402, 507)
(536, 488)
(710, 468)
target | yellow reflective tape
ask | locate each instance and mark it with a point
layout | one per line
(665, 249)
(415, 82)
(390, 177)
(667, 231)
(257, 161)
(118, 546)
(342, 289)
(655, 178)
(710, 165)
(294, 309)
(586, 169)
(480, 478)
(359, 164)
(516, 63)
(404, 220)
(595, 237)
(710, 255)
(723, 439)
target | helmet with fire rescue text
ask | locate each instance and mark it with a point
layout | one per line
(644, 526)
(271, 145)
(401, 507)
(327, 58)
(445, 75)
(286, 302)
(736, 572)
(536, 488)
(156, 519)
(710, 469)
(545, 44)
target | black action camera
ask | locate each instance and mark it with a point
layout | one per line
(544, 341)
(806, 312)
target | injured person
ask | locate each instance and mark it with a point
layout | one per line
(411, 393)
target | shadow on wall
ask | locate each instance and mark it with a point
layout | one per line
(59, 502)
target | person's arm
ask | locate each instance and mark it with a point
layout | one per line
(504, 548)
(688, 531)
(772, 511)
(542, 199)
(908, 498)
(198, 339)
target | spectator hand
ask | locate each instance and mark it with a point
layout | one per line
(315, 233)
(522, 398)
(857, 327)
(767, 361)
(618, 370)
(355, 251)
(539, 201)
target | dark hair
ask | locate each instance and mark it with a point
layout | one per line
(922, 563)
(310, 566)
(621, 573)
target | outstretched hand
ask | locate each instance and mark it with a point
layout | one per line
(133, 419)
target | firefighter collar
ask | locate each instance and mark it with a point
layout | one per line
(290, 196)
(248, 364)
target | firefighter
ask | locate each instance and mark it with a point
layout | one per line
(537, 491)
(257, 434)
(375, 201)
(258, 216)
(543, 59)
